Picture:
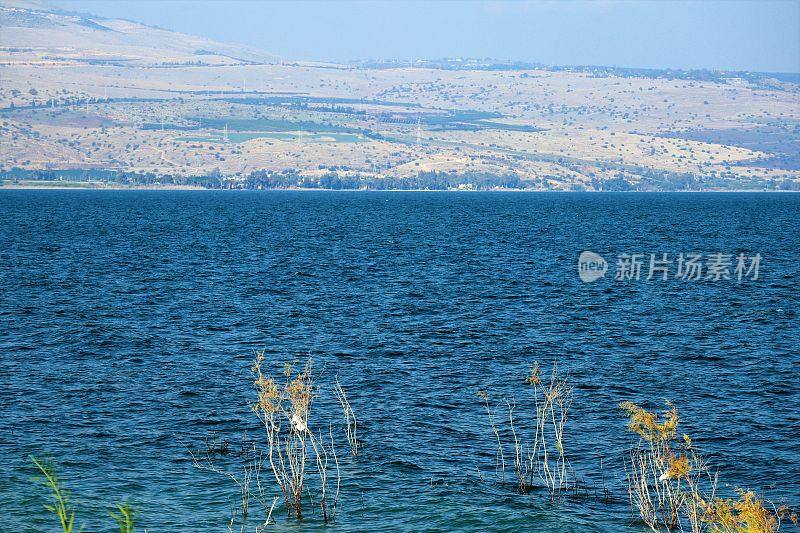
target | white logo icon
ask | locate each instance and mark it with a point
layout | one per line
(591, 266)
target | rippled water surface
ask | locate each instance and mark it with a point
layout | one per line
(128, 321)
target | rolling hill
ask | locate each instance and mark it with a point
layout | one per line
(33, 33)
(113, 99)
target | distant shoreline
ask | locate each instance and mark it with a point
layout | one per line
(122, 187)
(73, 186)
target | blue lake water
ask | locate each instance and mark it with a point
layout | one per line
(128, 321)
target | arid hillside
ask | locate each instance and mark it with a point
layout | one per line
(92, 99)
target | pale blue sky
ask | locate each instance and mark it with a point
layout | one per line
(733, 34)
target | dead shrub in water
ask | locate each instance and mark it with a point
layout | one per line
(351, 422)
(672, 487)
(500, 461)
(322, 453)
(284, 411)
(657, 469)
(241, 466)
(543, 455)
(552, 399)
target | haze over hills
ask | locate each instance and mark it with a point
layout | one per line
(33, 32)
(95, 99)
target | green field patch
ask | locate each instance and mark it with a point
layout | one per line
(240, 137)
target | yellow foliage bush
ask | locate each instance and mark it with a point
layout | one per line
(745, 515)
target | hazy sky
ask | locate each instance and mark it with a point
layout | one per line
(733, 34)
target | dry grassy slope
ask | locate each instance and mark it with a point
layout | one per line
(54, 35)
(592, 127)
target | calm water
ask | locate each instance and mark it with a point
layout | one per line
(128, 321)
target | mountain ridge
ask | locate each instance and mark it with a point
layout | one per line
(35, 32)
